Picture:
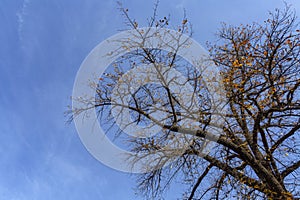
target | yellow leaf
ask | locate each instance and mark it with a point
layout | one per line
(244, 42)
(249, 63)
(237, 64)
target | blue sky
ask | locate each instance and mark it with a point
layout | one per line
(43, 43)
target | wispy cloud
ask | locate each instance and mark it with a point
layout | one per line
(21, 15)
(181, 5)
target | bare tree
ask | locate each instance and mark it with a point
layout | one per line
(257, 151)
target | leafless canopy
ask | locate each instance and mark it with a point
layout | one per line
(257, 154)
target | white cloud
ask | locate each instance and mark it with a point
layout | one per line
(181, 5)
(21, 15)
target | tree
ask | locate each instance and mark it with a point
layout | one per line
(257, 152)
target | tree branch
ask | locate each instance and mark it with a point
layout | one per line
(290, 169)
(199, 181)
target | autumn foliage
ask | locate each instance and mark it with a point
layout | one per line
(257, 154)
